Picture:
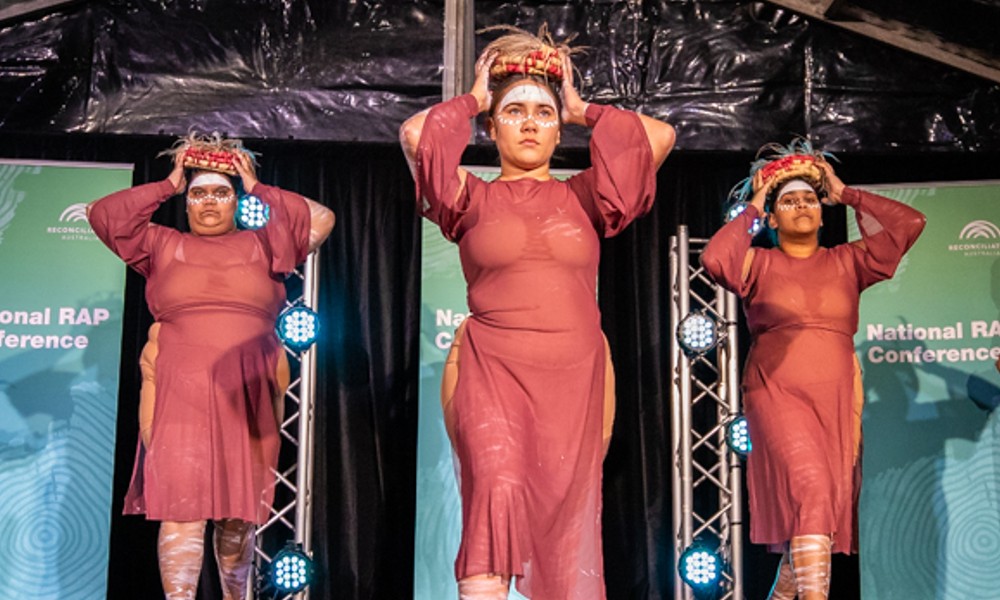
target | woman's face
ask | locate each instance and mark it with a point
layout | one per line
(797, 212)
(526, 126)
(211, 205)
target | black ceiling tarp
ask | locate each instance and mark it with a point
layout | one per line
(730, 75)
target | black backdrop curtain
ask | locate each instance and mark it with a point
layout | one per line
(367, 386)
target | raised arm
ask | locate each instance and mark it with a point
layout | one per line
(411, 132)
(321, 222)
(661, 136)
(888, 228)
(409, 138)
(728, 256)
(122, 220)
(321, 218)
(433, 142)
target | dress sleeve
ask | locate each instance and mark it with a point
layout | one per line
(121, 221)
(444, 136)
(888, 229)
(286, 235)
(725, 254)
(620, 184)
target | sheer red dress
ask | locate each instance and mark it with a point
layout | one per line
(528, 404)
(802, 392)
(214, 440)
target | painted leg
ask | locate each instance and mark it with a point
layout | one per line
(180, 548)
(810, 556)
(784, 583)
(609, 397)
(147, 392)
(449, 381)
(233, 540)
(484, 587)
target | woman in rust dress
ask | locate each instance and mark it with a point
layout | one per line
(214, 371)
(528, 404)
(802, 389)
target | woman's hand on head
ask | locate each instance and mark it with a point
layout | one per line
(481, 85)
(831, 183)
(761, 189)
(241, 160)
(574, 109)
(176, 176)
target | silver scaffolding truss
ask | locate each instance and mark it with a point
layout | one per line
(707, 476)
(291, 514)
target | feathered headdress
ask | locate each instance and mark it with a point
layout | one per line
(778, 164)
(209, 152)
(520, 52)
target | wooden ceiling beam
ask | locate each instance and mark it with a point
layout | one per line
(17, 9)
(845, 15)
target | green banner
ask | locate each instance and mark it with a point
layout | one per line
(60, 349)
(439, 506)
(928, 342)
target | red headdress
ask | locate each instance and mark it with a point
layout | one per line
(520, 52)
(778, 164)
(209, 152)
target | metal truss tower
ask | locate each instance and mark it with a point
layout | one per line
(707, 476)
(291, 514)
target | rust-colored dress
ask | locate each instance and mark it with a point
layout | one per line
(528, 405)
(214, 439)
(801, 382)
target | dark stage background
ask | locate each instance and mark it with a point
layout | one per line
(320, 88)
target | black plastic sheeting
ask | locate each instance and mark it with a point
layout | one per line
(729, 75)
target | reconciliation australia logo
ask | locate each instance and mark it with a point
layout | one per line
(978, 238)
(73, 224)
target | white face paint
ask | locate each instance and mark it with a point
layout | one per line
(794, 185)
(199, 190)
(523, 95)
(203, 179)
(791, 203)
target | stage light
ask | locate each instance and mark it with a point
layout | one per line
(697, 333)
(738, 436)
(298, 327)
(252, 212)
(291, 571)
(735, 211)
(700, 566)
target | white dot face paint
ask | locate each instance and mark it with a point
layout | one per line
(210, 185)
(518, 121)
(793, 203)
(513, 109)
(197, 196)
